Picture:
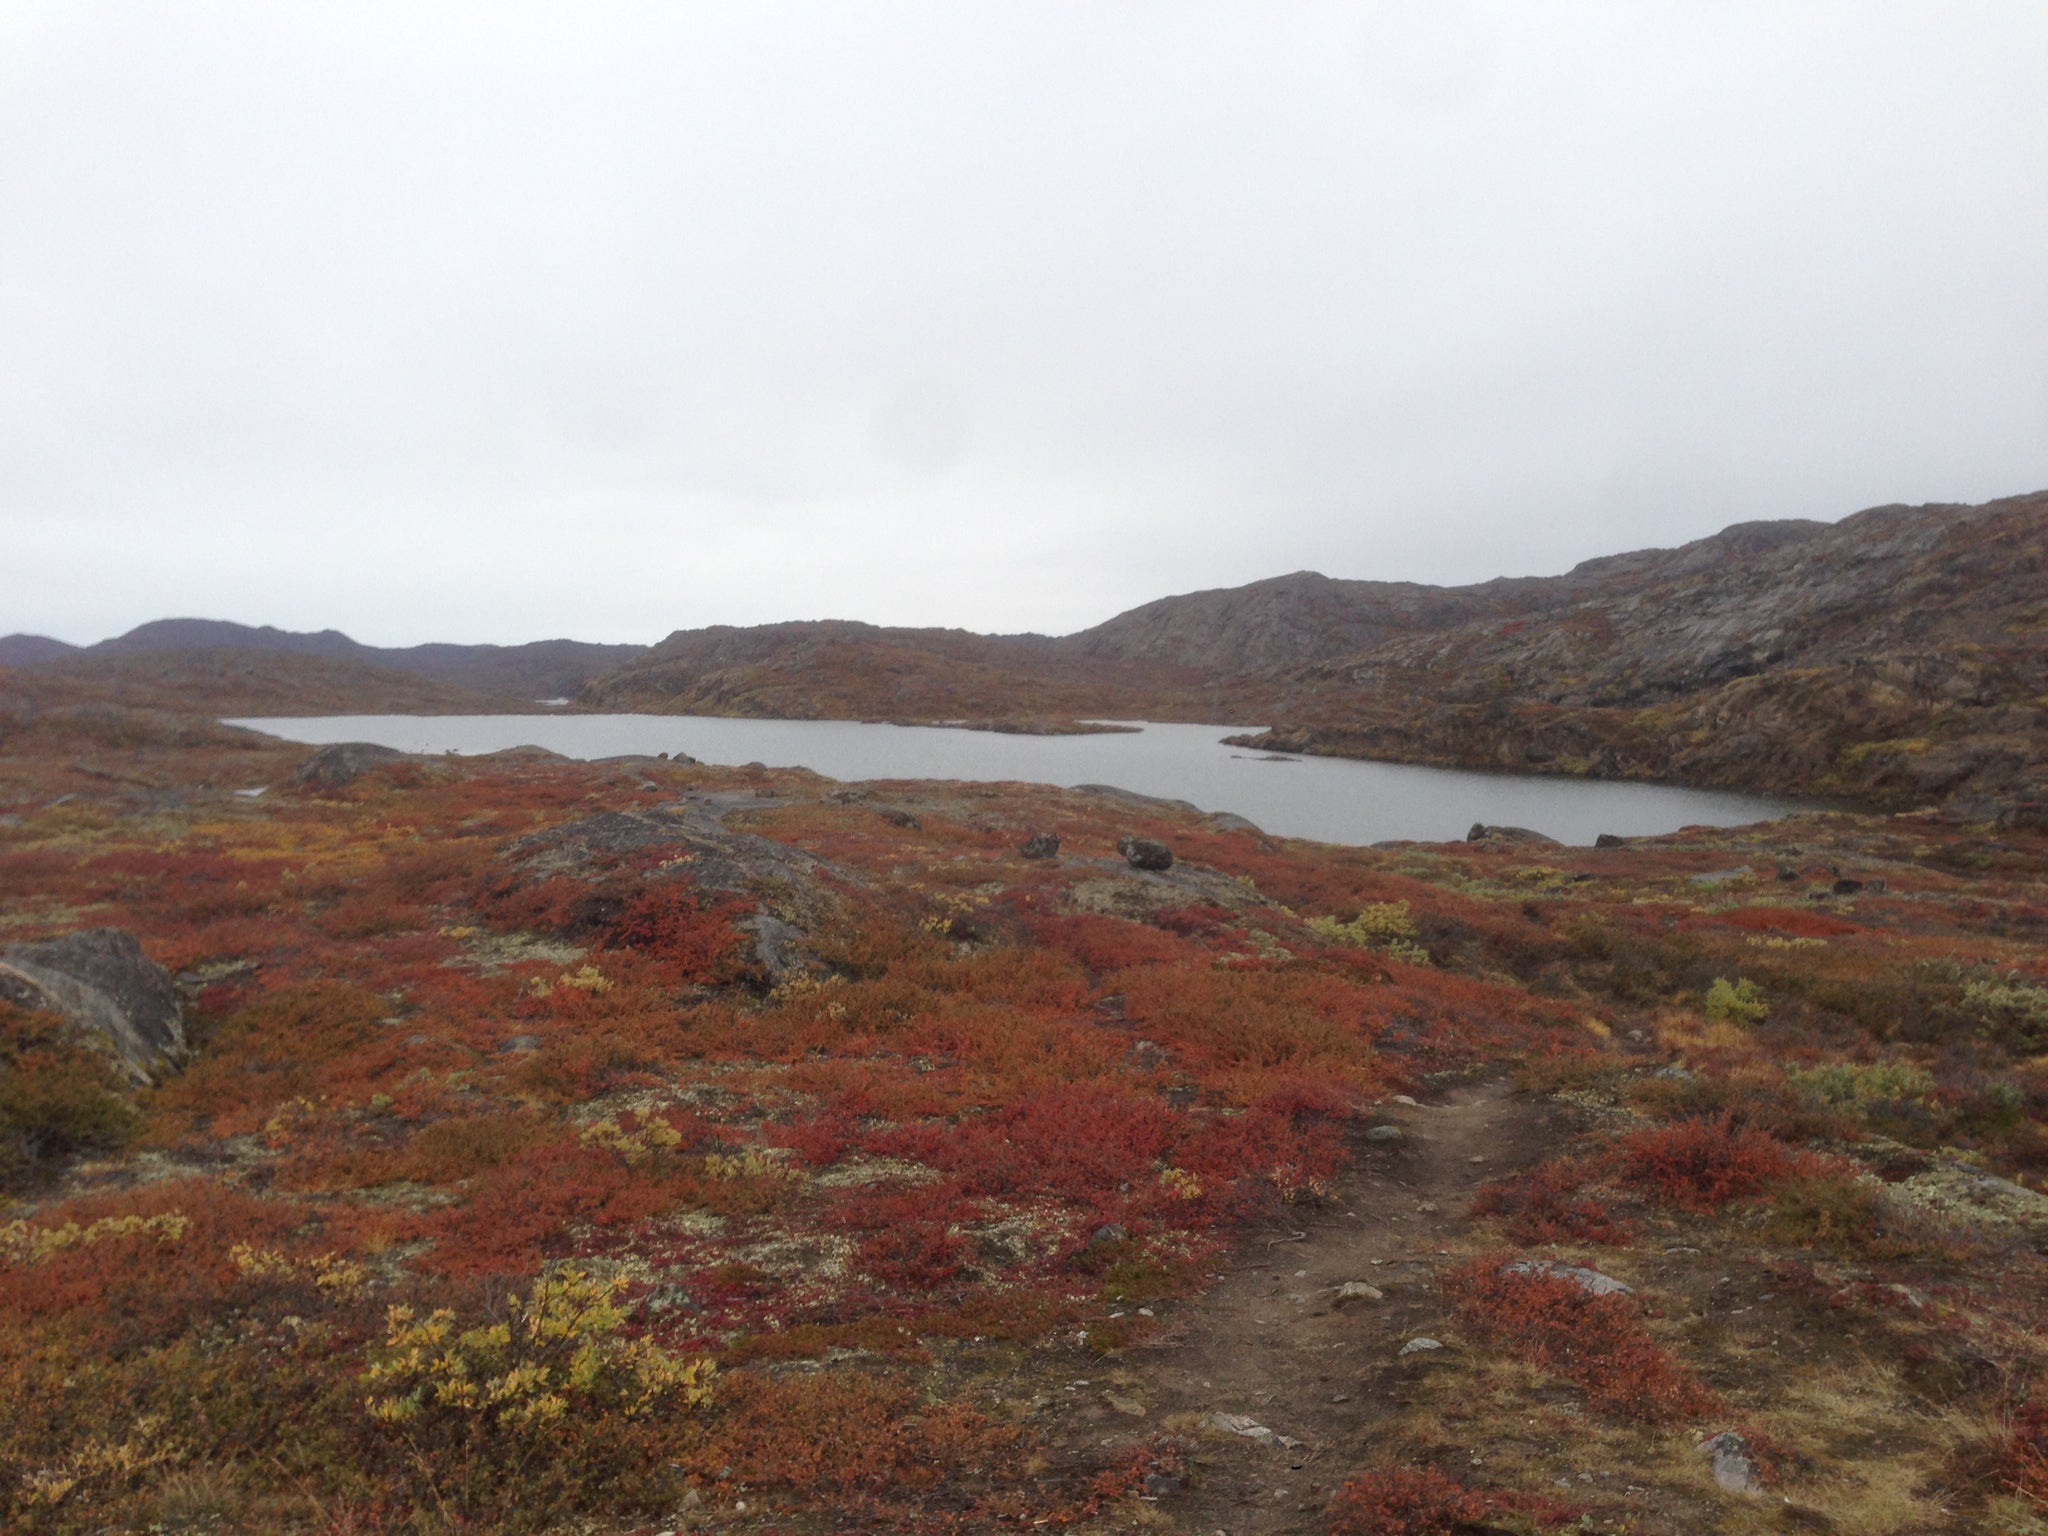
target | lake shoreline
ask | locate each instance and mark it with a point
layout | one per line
(1326, 799)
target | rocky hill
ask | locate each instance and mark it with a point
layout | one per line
(833, 669)
(539, 669)
(229, 681)
(1285, 621)
(1899, 654)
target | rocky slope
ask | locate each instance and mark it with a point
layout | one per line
(232, 681)
(834, 669)
(1899, 654)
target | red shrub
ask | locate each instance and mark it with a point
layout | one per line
(845, 1433)
(1403, 1501)
(1105, 944)
(671, 922)
(1546, 1204)
(124, 1287)
(1701, 1164)
(1786, 920)
(1077, 1140)
(1298, 1096)
(558, 904)
(1596, 1341)
(1202, 920)
(1261, 1154)
(880, 1206)
(820, 1140)
(917, 1256)
(521, 1209)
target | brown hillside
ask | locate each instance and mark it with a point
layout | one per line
(1898, 654)
(233, 681)
(834, 669)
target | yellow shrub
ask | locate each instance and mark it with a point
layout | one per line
(558, 1350)
(750, 1165)
(1382, 925)
(23, 1244)
(652, 1139)
(334, 1276)
(1178, 1181)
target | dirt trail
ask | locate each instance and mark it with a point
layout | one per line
(1271, 1342)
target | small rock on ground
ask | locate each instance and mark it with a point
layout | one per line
(1589, 1280)
(1735, 1467)
(1251, 1429)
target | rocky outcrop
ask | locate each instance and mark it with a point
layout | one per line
(791, 902)
(1482, 833)
(100, 979)
(1899, 656)
(339, 765)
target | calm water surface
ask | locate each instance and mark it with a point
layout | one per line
(1334, 800)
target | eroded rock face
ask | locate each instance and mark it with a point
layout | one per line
(100, 979)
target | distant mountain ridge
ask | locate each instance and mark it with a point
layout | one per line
(539, 669)
(1901, 652)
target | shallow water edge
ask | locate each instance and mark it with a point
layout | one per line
(1336, 800)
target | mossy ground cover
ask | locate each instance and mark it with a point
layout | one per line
(647, 1230)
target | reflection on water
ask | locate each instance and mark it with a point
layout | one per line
(1331, 799)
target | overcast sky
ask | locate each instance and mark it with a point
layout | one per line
(505, 321)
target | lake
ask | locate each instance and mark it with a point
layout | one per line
(1335, 800)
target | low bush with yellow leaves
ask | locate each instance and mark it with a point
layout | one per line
(1387, 926)
(553, 1396)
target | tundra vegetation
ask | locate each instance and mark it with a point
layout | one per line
(633, 1146)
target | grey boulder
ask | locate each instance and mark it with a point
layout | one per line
(100, 979)
(344, 762)
(1482, 833)
(1735, 1465)
(1145, 853)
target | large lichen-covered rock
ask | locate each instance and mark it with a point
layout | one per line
(341, 764)
(1959, 1192)
(791, 901)
(100, 979)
